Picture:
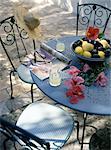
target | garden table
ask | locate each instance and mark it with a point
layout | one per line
(97, 99)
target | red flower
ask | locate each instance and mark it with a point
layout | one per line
(76, 93)
(75, 99)
(92, 33)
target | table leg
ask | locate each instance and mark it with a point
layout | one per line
(84, 126)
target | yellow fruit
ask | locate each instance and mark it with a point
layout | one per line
(92, 46)
(109, 46)
(104, 43)
(97, 40)
(87, 54)
(101, 54)
(87, 46)
(79, 50)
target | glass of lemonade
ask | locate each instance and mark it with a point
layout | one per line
(54, 77)
(60, 46)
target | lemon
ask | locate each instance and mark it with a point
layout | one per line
(98, 39)
(101, 54)
(87, 46)
(60, 46)
(91, 46)
(87, 54)
(79, 50)
(104, 43)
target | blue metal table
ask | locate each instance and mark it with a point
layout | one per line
(97, 99)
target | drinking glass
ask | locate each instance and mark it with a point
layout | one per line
(60, 46)
(54, 77)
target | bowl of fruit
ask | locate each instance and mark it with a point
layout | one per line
(92, 50)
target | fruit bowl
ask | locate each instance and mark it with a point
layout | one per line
(90, 59)
(92, 50)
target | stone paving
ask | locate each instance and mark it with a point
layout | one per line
(56, 23)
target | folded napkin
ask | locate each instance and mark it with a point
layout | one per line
(55, 53)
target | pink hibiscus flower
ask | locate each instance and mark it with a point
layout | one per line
(75, 80)
(101, 79)
(76, 93)
(86, 67)
(75, 86)
(73, 71)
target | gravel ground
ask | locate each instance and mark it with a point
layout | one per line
(56, 23)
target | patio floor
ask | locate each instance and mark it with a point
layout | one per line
(57, 23)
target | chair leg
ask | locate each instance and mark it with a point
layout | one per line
(84, 127)
(32, 97)
(4, 143)
(15, 146)
(77, 126)
(11, 85)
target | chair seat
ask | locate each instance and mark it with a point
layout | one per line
(47, 122)
(24, 74)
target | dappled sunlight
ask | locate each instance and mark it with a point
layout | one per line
(1, 57)
(18, 89)
(57, 20)
(68, 33)
(4, 84)
(66, 5)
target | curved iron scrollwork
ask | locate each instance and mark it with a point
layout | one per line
(93, 14)
(8, 33)
(9, 29)
(84, 15)
(23, 34)
(100, 15)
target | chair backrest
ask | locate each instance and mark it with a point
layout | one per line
(21, 136)
(93, 15)
(15, 41)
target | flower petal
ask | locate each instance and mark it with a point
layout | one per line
(73, 71)
(92, 33)
(69, 93)
(86, 67)
(78, 79)
(74, 100)
(101, 79)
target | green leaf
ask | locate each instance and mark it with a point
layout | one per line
(101, 35)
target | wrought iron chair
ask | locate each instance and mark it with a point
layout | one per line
(16, 43)
(95, 15)
(39, 126)
(92, 15)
